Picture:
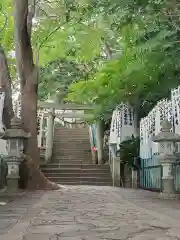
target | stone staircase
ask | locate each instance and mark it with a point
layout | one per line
(71, 160)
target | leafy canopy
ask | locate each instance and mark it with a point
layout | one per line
(105, 51)
(148, 66)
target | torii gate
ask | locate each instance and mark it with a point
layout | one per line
(58, 110)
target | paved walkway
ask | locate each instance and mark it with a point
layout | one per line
(90, 213)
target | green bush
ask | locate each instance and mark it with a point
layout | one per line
(129, 152)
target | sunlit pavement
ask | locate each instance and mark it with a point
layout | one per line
(90, 213)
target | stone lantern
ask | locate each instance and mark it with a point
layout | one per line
(15, 145)
(167, 141)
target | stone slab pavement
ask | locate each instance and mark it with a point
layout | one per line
(90, 213)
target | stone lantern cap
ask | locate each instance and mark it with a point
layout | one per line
(16, 130)
(166, 135)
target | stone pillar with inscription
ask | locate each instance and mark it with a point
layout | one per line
(167, 157)
(15, 145)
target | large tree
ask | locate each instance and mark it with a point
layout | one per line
(28, 75)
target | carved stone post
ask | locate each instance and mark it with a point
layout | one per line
(116, 172)
(115, 165)
(15, 145)
(167, 140)
(99, 139)
(94, 156)
(50, 136)
(40, 134)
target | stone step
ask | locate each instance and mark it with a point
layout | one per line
(71, 151)
(75, 170)
(71, 162)
(62, 127)
(75, 149)
(72, 130)
(72, 148)
(75, 156)
(65, 138)
(66, 156)
(85, 183)
(61, 138)
(71, 157)
(69, 135)
(80, 179)
(74, 166)
(71, 144)
(66, 150)
(78, 174)
(71, 140)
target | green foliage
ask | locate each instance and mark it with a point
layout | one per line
(129, 152)
(7, 33)
(56, 77)
(64, 31)
(6, 25)
(146, 69)
(109, 51)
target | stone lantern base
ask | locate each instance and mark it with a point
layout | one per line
(169, 196)
(169, 191)
(12, 184)
(13, 173)
(15, 137)
(168, 185)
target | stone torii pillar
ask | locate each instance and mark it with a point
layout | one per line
(50, 135)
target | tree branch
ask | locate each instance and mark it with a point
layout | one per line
(108, 49)
(67, 20)
(31, 14)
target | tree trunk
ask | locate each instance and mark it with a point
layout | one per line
(5, 85)
(29, 116)
(29, 84)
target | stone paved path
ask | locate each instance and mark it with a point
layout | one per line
(90, 213)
